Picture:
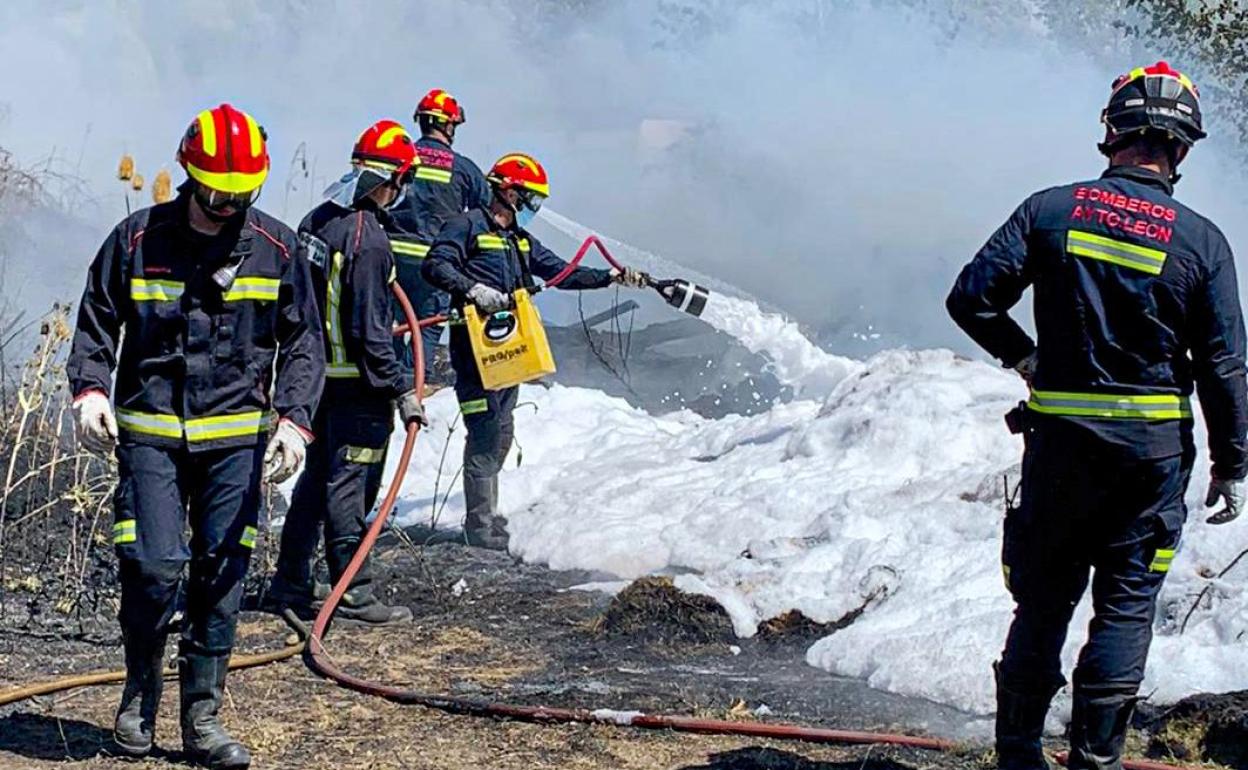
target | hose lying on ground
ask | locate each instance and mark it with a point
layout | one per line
(318, 659)
(20, 693)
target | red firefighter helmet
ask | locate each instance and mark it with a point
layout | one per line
(1156, 98)
(520, 170)
(386, 146)
(440, 105)
(224, 149)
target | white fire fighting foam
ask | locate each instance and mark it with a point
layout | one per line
(881, 484)
(795, 360)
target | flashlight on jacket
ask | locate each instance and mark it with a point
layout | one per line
(224, 276)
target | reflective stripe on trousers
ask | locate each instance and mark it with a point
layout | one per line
(1114, 406)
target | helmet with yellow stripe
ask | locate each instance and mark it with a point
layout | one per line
(517, 170)
(1152, 99)
(520, 183)
(224, 150)
(386, 146)
(381, 161)
(440, 105)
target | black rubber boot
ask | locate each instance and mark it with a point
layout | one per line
(490, 534)
(1020, 726)
(285, 594)
(134, 729)
(203, 738)
(482, 527)
(362, 606)
(1098, 730)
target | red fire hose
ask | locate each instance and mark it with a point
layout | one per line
(319, 661)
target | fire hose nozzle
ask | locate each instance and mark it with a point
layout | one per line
(683, 295)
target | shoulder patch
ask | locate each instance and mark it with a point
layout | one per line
(316, 250)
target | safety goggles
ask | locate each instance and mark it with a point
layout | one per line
(219, 202)
(529, 199)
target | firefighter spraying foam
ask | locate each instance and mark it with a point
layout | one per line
(213, 297)
(486, 259)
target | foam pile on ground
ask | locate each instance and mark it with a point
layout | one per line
(883, 493)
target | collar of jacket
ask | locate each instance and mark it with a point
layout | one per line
(1139, 174)
(495, 227)
(429, 141)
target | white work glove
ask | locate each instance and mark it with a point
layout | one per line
(488, 299)
(285, 452)
(1230, 492)
(633, 279)
(97, 427)
(1027, 368)
(411, 410)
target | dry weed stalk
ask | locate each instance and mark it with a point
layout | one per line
(54, 496)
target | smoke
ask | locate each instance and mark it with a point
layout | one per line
(840, 162)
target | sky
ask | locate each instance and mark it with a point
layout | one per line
(836, 161)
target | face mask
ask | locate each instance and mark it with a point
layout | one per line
(398, 199)
(524, 216)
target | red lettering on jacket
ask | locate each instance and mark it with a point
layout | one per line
(432, 156)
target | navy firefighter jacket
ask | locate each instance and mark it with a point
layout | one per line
(352, 269)
(443, 185)
(1136, 301)
(195, 365)
(472, 249)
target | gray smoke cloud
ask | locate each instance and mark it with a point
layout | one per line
(840, 161)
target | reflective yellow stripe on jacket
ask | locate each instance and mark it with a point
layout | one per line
(408, 249)
(488, 242)
(253, 287)
(1113, 406)
(1115, 252)
(155, 290)
(196, 429)
(225, 426)
(147, 424)
(338, 366)
(430, 174)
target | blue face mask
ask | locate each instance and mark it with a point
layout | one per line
(524, 216)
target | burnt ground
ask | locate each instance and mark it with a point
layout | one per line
(486, 626)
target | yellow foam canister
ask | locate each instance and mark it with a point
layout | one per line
(509, 347)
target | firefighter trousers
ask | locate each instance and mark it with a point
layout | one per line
(1088, 512)
(160, 492)
(488, 419)
(427, 301)
(340, 482)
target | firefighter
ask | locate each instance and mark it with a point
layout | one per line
(482, 257)
(1136, 302)
(444, 184)
(352, 272)
(197, 303)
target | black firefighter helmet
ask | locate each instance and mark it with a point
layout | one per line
(1157, 98)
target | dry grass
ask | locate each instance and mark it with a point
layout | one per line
(54, 517)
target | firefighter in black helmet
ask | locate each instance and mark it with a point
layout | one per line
(1136, 305)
